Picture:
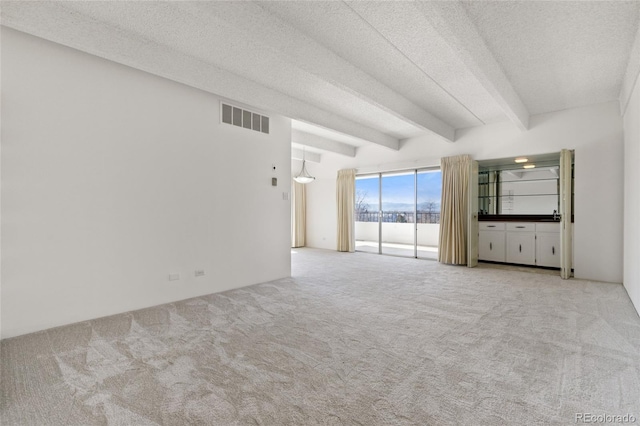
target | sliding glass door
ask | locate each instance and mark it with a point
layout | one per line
(429, 190)
(399, 213)
(367, 230)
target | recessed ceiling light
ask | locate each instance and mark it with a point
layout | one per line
(521, 160)
(529, 166)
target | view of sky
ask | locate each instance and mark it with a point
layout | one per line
(398, 191)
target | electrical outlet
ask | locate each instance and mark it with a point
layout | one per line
(174, 277)
(199, 272)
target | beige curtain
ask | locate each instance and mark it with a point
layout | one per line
(454, 209)
(346, 200)
(298, 214)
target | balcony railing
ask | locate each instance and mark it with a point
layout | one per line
(398, 217)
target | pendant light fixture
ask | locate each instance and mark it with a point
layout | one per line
(303, 176)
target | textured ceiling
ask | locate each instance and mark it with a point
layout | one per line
(559, 54)
(361, 72)
(360, 32)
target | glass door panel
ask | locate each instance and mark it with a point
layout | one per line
(367, 229)
(398, 214)
(429, 191)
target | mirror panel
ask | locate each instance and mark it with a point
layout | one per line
(529, 192)
(508, 188)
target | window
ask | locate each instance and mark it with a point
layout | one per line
(398, 213)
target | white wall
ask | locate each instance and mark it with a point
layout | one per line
(595, 132)
(632, 196)
(322, 212)
(599, 197)
(113, 178)
(0, 194)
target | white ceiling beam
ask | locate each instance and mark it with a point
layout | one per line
(310, 56)
(471, 72)
(55, 21)
(298, 154)
(452, 22)
(315, 141)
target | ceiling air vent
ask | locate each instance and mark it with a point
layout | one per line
(243, 118)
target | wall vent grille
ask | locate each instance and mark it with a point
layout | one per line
(243, 118)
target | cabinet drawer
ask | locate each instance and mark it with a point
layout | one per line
(491, 226)
(547, 227)
(521, 227)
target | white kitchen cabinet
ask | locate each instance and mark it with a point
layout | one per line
(522, 243)
(521, 246)
(491, 241)
(548, 244)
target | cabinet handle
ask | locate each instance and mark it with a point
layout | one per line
(520, 227)
(491, 226)
(553, 250)
(520, 248)
(490, 246)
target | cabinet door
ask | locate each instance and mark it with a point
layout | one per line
(521, 248)
(548, 249)
(491, 246)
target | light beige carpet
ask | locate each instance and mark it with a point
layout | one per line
(350, 339)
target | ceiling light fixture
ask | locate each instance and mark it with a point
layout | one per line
(529, 166)
(521, 160)
(303, 176)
